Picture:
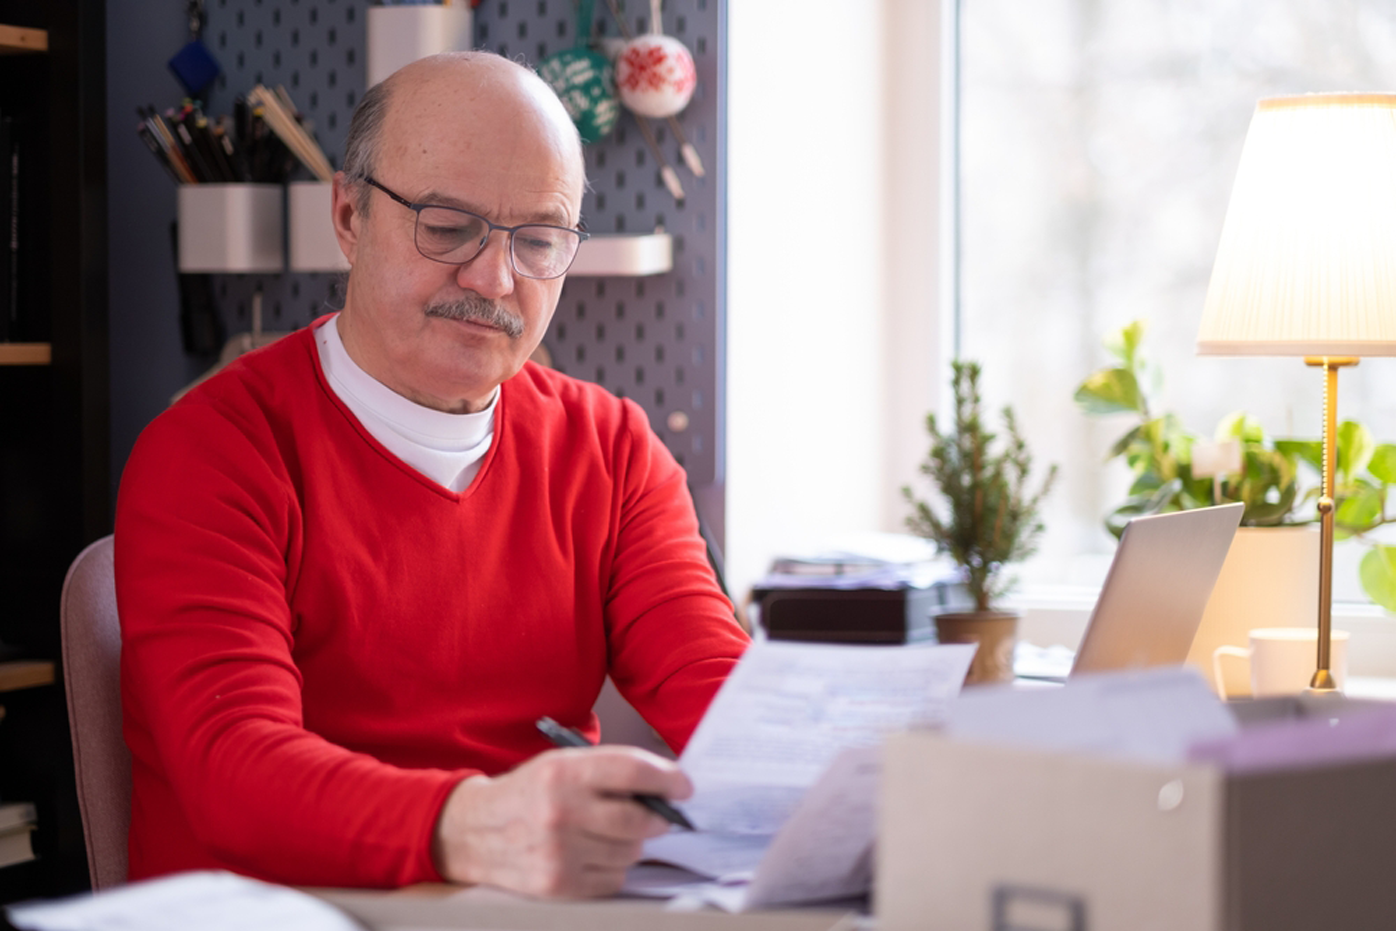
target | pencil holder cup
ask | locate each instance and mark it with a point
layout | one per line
(230, 228)
(314, 247)
(399, 35)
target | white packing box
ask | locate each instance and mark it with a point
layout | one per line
(992, 838)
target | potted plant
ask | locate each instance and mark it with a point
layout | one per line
(985, 519)
(1261, 473)
(1270, 577)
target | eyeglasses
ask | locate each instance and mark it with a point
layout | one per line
(453, 237)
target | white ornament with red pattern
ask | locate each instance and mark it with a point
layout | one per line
(655, 76)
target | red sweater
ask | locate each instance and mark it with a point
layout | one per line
(318, 642)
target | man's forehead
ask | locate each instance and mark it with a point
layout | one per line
(479, 137)
(505, 206)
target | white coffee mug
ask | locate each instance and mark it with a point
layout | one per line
(1283, 659)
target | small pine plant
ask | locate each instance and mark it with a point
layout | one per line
(992, 518)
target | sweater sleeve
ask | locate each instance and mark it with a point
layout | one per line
(672, 634)
(207, 537)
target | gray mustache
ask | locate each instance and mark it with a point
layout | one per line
(479, 310)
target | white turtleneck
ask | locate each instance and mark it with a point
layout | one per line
(446, 448)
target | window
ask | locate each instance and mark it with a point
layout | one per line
(1099, 140)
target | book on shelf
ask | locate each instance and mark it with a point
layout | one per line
(15, 220)
(13, 159)
(17, 822)
(7, 309)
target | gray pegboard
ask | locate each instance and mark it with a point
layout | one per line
(657, 340)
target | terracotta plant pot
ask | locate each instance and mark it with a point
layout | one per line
(994, 631)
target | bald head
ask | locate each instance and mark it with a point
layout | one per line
(481, 89)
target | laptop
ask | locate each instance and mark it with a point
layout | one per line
(1157, 589)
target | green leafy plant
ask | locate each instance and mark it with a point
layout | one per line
(990, 518)
(1159, 450)
(1277, 480)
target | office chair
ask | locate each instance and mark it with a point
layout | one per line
(92, 682)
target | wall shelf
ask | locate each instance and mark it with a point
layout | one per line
(622, 256)
(16, 40)
(24, 674)
(25, 354)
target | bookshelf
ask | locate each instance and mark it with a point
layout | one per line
(17, 40)
(26, 353)
(25, 674)
(55, 493)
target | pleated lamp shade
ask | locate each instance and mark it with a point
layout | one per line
(1307, 260)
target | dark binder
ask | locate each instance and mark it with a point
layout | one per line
(8, 310)
(12, 165)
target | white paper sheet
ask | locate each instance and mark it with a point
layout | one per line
(206, 900)
(789, 708)
(785, 767)
(824, 851)
(1154, 715)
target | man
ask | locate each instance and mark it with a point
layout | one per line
(357, 566)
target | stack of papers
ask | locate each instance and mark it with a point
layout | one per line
(1349, 734)
(1154, 715)
(1171, 715)
(868, 560)
(785, 768)
(17, 821)
(207, 900)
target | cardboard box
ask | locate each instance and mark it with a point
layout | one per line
(989, 838)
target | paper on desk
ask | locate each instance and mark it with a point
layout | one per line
(824, 850)
(1154, 714)
(789, 708)
(207, 900)
(1355, 736)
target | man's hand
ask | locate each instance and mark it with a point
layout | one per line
(562, 824)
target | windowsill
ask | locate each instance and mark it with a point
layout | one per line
(1057, 614)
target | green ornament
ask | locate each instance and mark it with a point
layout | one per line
(585, 83)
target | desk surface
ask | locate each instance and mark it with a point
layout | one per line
(439, 907)
(1372, 687)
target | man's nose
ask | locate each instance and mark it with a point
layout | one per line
(491, 273)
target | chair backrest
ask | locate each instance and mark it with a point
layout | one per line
(92, 680)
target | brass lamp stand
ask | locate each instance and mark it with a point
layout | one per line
(1306, 265)
(1323, 676)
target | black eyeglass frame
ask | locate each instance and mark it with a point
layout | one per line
(490, 227)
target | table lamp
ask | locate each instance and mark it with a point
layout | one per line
(1307, 262)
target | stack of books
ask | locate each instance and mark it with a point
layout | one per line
(17, 821)
(11, 211)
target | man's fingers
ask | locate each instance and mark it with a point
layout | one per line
(616, 770)
(602, 882)
(619, 818)
(599, 852)
(564, 823)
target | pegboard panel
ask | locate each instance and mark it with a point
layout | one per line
(657, 340)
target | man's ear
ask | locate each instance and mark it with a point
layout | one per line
(344, 213)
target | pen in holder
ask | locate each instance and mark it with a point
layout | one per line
(230, 228)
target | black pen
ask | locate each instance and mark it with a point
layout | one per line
(567, 737)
